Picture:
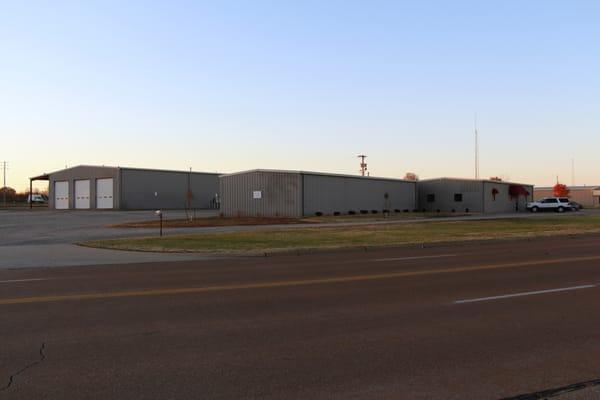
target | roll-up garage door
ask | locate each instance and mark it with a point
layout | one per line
(61, 195)
(104, 193)
(82, 194)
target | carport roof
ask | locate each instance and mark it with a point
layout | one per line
(44, 177)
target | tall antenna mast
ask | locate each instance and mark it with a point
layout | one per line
(476, 147)
(363, 164)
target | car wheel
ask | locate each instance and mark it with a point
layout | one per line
(560, 209)
(534, 209)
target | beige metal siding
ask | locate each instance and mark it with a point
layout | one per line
(583, 196)
(280, 194)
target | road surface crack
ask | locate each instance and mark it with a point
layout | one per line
(11, 379)
(545, 394)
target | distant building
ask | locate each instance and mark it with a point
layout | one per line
(472, 195)
(587, 196)
(99, 187)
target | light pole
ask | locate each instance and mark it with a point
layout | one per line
(160, 216)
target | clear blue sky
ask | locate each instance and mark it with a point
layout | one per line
(226, 86)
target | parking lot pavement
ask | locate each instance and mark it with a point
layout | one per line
(44, 238)
(56, 227)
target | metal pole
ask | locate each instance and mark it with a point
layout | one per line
(4, 187)
(161, 225)
(30, 190)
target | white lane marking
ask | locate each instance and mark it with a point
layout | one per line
(506, 296)
(413, 258)
(25, 280)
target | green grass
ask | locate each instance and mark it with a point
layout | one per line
(370, 235)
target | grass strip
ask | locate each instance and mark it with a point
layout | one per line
(357, 236)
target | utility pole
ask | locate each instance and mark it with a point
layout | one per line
(4, 164)
(363, 164)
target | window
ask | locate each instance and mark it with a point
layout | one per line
(550, 201)
(430, 198)
(457, 197)
(563, 200)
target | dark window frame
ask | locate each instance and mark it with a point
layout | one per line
(458, 197)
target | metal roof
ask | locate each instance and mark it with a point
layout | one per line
(585, 187)
(475, 180)
(283, 171)
(46, 176)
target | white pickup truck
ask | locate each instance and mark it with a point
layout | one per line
(558, 204)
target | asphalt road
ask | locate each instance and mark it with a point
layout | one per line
(485, 321)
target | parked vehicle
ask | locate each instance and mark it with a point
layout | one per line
(558, 204)
(37, 198)
(575, 206)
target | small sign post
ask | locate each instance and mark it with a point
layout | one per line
(160, 216)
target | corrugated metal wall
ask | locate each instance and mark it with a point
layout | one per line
(503, 202)
(154, 189)
(328, 194)
(444, 191)
(83, 172)
(280, 194)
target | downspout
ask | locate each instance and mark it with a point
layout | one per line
(120, 177)
(483, 197)
(301, 195)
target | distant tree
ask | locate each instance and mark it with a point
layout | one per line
(560, 190)
(496, 179)
(9, 192)
(411, 176)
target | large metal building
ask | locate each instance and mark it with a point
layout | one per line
(471, 195)
(100, 187)
(587, 196)
(272, 193)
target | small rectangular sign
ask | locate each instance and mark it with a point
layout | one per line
(257, 194)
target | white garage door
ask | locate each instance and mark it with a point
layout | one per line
(82, 194)
(104, 193)
(61, 195)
